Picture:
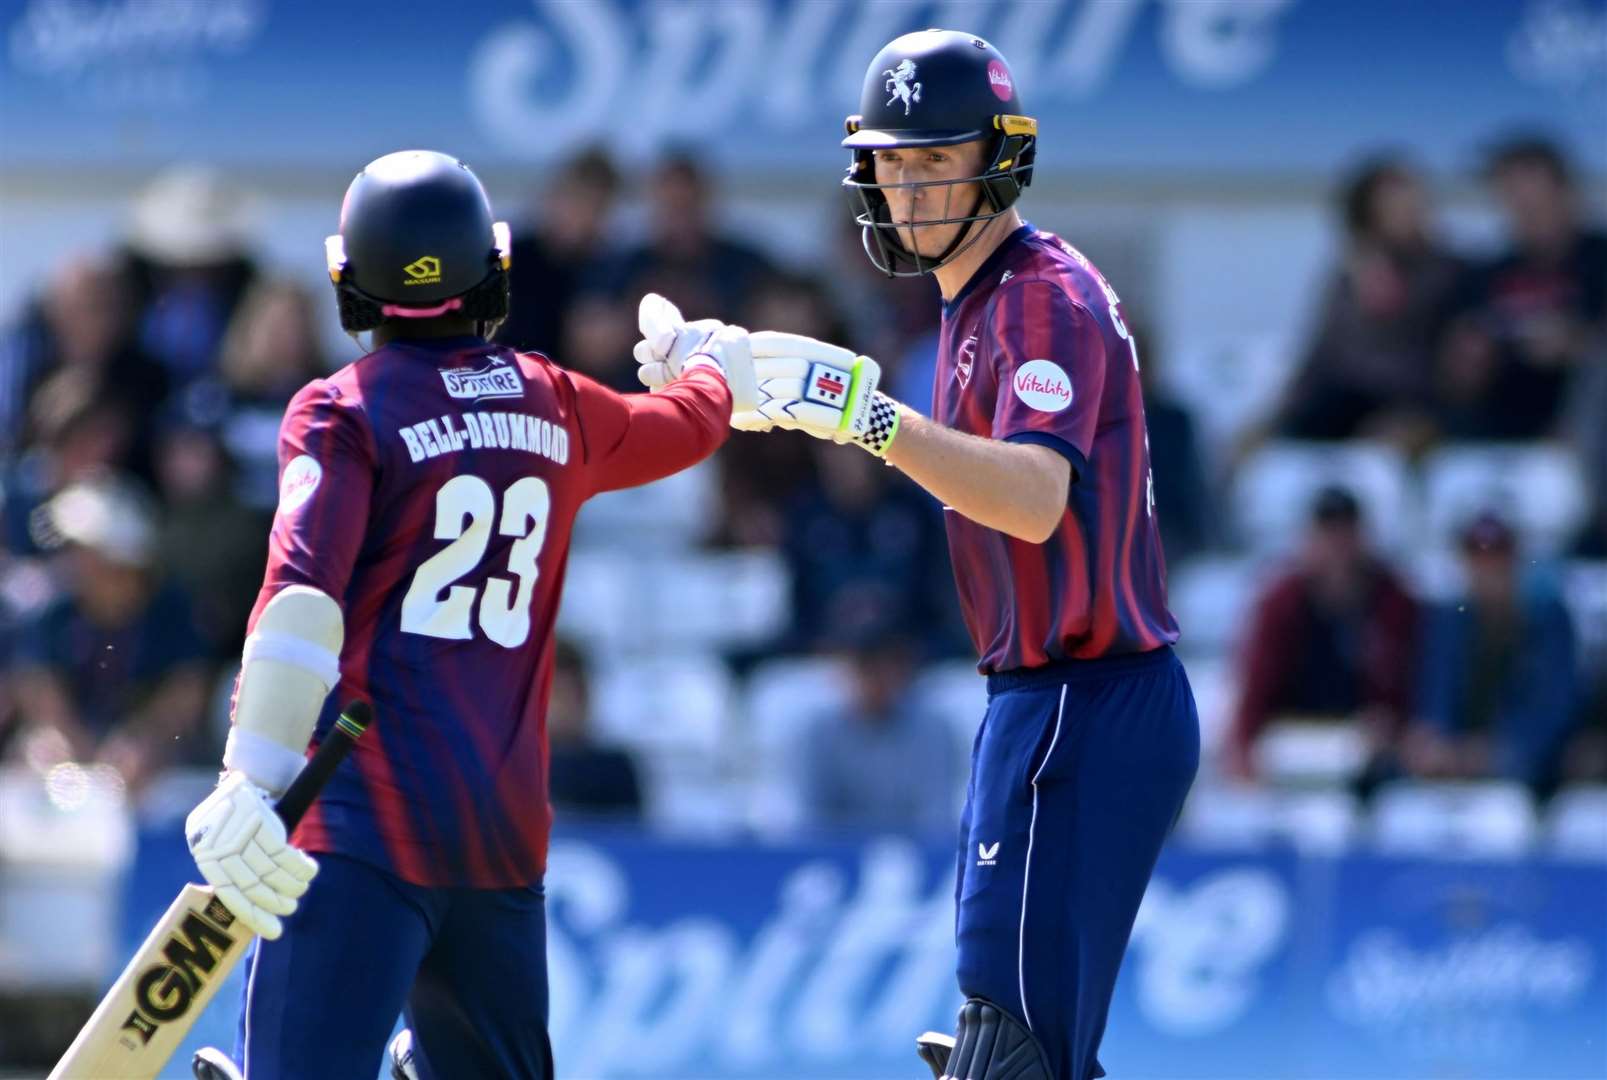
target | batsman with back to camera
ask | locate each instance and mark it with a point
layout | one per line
(427, 494)
(1038, 450)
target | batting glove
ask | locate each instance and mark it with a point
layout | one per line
(239, 843)
(670, 345)
(824, 390)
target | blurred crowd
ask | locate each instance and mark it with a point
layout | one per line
(141, 390)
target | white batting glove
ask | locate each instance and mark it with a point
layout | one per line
(670, 345)
(821, 389)
(239, 843)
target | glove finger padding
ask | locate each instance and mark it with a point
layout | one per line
(239, 845)
(773, 343)
(659, 321)
(751, 420)
(655, 376)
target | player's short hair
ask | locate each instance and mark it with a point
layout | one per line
(1335, 505)
(1487, 533)
(1529, 151)
(1360, 189)
(591, 168)
(569, 658)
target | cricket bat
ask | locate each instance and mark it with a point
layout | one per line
(162, 992)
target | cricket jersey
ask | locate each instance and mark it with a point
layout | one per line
(430, 488)
(1033, 349)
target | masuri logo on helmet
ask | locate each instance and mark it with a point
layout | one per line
(422, 271)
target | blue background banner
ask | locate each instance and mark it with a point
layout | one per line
(825, 959)
(1127, 86)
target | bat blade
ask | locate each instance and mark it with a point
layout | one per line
(167, 986)
(156, 1000)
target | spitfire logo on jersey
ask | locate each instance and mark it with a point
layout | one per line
(497, 379)
(1043, 385)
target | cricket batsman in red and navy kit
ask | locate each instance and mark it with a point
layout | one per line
(427, 493)
(1037, 449)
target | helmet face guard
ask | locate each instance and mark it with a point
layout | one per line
(999, 186)
(927, 89)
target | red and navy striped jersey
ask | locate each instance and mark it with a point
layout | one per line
(1034, 349)
(430, 488)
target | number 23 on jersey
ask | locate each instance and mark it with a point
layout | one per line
(465, 508)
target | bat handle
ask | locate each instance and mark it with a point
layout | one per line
(305, 787)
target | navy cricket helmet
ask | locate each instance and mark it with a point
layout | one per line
(937, 88)
(417, 241)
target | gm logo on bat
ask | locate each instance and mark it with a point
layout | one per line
(164, 991)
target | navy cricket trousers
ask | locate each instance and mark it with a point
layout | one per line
(467, 968)
(1077, 775)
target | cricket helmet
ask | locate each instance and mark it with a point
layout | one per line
(416, 241)
(937, 88)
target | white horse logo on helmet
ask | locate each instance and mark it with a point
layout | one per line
(900, 86)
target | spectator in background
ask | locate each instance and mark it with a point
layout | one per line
(81, 323)
(210, 542)
(862, 547)
(760, 476)
(1183, 504)
(1500, 686)
(188, 253)
(587, 778)
(1368, 369)
(1334, 639)
(562, 252)
(685, 258)
(115, 670)
(880, 762)
(1532, 320)
(271, 350)
(77, 428)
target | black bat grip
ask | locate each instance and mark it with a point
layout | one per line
(305, 787)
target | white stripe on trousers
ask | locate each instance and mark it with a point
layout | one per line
(1026, 875)
(251, 989)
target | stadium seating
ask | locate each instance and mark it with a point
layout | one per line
(1235, 816)
(1540, 487)
(1475, 819)
(1576, 823)
(669, 515)
(1212, 597)
(621, 602)
(1296, 753)
(665, 701)
(65, 839)
(1271, 495)
(782, 696)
